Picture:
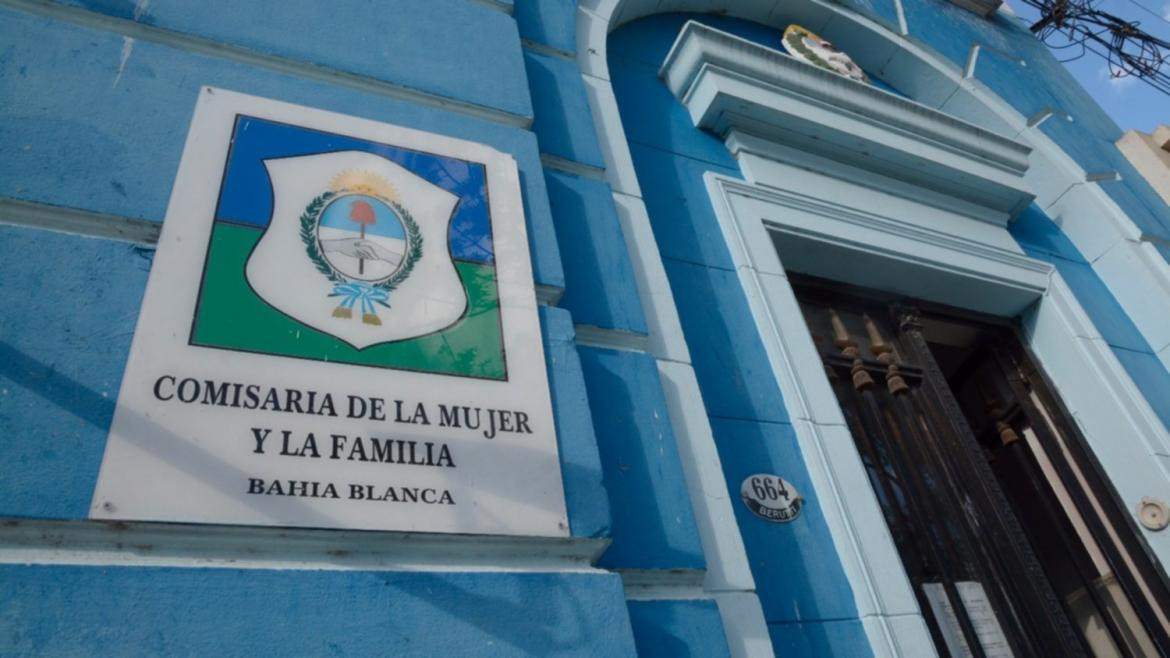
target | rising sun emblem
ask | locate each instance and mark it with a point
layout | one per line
(363, 240)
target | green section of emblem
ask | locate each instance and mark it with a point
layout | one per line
(231, 316)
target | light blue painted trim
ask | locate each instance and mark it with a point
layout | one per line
(664, 332)
(744, 624)
(79, 222)
(662, 584)
(700, 48)
(542, 49)
(590, 336)
(558, 163)
(97, 543)
(1126, 261)
(744, 146)
(961, 269)
(549, 23)
(548, 295)
(711, 499)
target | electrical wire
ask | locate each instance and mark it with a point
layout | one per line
(1128, 50)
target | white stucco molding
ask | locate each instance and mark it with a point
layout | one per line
(1136, 275)
(728, 577)
(893, 627)
(1116, 419)
(731, 84)
(957, 266)
(149, 544)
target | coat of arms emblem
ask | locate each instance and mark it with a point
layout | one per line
(349, 240)
(370, 254)
(363, 240)
(806, 46)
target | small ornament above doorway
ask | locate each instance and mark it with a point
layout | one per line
(806, 46)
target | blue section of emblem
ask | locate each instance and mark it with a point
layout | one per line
(246, 197)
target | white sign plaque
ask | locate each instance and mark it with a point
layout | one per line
(978, 608)
(339, 331)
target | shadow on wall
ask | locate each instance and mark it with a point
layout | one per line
(147, 435)
(563, 621)
(142, 611)
(73, 467)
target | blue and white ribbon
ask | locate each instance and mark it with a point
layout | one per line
(361, 292)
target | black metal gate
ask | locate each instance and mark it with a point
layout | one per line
(1013, 541)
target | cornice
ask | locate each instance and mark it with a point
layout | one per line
(1006, 268)
(731, 84)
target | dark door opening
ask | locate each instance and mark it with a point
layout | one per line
(1014, 541)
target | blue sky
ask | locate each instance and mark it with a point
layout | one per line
(1131, 102)
(386, 223)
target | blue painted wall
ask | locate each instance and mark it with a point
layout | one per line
(94, 120)
(95, 100)
(64, 336)
(678, 629)
(137, 611)
(599, 279)
(562, 111)
(477, 62)
(84, 129)
(798, 577)
(585, 493)
(653, 526)
(78, 132)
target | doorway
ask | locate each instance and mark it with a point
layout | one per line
(1014, 542)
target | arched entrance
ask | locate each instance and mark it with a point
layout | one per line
(695, 257)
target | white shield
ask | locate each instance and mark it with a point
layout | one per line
(281, 271)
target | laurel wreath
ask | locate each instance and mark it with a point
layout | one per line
(796, 40)
(312, 216)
